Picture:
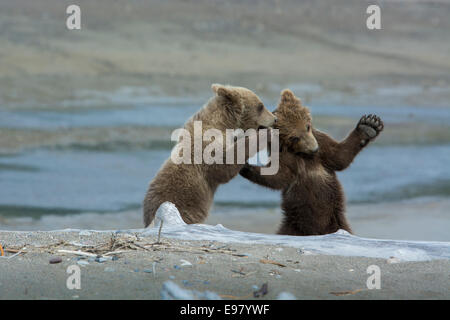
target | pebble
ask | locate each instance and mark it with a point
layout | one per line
(82, 262)
(176, 267)
(147, 270)
(100, 259)
(55, 260)
(392, 260)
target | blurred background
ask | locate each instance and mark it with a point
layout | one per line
(86, 115)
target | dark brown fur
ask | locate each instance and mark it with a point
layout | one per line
(191, 187)
(313, 201)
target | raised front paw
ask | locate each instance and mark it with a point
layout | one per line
(369, 126)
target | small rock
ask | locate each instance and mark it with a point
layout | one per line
(82, 262)
(100, 259)
(115, 258)
(176, 267)
(261, 291)
(55, 260)
(147, 270)
(392, 260)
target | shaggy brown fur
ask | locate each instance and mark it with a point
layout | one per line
(191, 187)
(312, 198)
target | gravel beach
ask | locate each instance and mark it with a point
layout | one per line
(137, 268)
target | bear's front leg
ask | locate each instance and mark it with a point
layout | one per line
(369, 127)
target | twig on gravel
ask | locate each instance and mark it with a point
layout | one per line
(345, 293)
(14, 255)
(266, 261)
(80, 253)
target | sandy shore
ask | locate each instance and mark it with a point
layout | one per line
(319, 49)
(233, 271)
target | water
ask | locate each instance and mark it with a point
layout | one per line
(49, 179)
(149, 115)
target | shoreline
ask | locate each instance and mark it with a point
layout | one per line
(402, 220)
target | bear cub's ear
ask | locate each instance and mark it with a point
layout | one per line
(288, 97)
(227, 92)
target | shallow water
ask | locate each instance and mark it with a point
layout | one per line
(172, 114)
(79, 180)
(72, 180)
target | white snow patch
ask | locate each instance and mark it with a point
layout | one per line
(286, 296)
(171, 291)
(339, 243)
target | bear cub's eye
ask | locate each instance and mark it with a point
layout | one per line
(260, 108)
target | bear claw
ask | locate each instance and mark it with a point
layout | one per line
(370, 125)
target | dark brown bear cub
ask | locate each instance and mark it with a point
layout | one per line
(313, 201)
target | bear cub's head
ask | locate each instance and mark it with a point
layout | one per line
(253, 112)
(295, 125)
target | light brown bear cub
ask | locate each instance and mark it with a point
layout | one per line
(191, 187)
(313, 201)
